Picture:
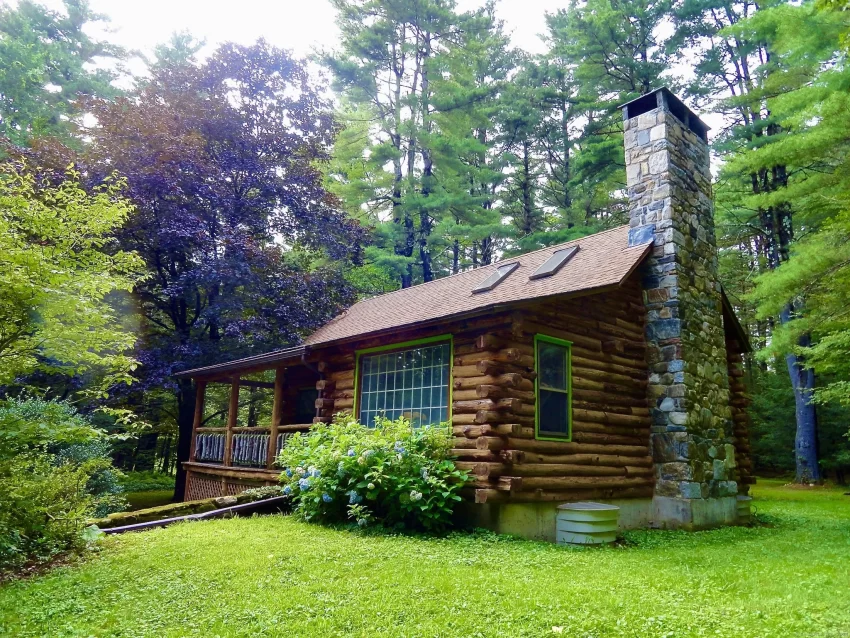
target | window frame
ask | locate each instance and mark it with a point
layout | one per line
(399, 347)
(548, 436)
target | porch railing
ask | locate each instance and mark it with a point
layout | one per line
(247, 449)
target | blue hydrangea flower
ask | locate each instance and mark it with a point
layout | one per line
(304, 484)
(424, 473)
(351, 452)
(315, 473)
(288, 473)
(287, 490)
(353, 497)
(399, 447)
(327, 498)
(368, 453)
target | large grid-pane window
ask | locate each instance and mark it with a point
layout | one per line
(412, 383)
(553, 387)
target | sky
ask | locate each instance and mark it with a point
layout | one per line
(299, 25)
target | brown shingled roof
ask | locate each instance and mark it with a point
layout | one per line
(603, 260)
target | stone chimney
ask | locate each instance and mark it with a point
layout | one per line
(670, 204)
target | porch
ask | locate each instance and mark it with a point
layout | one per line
(244, 413)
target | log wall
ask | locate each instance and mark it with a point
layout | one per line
(493, 401)
(740, 417)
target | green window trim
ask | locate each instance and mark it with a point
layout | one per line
(551, 436)
(401, 346)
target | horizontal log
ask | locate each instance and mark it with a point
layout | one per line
(339, 375)
(633, 390)
(492, 443)
(491, 416)
(566, 469)
(608, 398)
(325, 385)
(556, 483)
(636, 363)
(510, 380)
(496, 392)
(489, 367)
(500, 405)
(613, 368)
(343, 404)
(494, 342)
(487, 429)
(466, 395)
(602, 428)
(574, 447)
(508, 355)
(612, 460)
(324, 404)
(482, 468)
(596, 416)
(615, 439)
(509, 483)
(474, 454)
(585, 342)
(593, 374)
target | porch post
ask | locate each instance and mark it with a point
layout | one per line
(232, 413)
(277, 408)
(200, 397)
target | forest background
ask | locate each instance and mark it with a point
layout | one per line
(230, 203)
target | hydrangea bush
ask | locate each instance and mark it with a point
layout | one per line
(392, 475)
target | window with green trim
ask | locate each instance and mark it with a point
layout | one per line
(411, 382)
(554, 395)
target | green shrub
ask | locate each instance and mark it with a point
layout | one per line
(55, 473)
(43, 507)
(35, 424)
(392, 474)
(147, 481)
(103, 483)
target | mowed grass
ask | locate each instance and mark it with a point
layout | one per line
(275, 576)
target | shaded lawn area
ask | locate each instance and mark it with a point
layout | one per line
(275, 576)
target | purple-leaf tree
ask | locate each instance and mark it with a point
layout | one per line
(244, 247)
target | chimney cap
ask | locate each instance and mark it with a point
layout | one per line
(662, 97)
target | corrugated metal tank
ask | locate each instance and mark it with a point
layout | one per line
(586, 523)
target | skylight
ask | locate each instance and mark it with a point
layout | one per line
(496, 277)
(554, 263)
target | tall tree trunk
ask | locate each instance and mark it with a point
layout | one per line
(806, 438)
(185, 419)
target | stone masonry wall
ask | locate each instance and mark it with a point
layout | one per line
(669, 184)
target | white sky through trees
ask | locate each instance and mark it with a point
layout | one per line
(300, 25)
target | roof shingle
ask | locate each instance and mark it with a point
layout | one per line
(604, 259)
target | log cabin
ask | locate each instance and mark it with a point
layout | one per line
(606, 368)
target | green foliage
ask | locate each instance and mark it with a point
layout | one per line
(43, 507)
(48, 60)
(58, 269)
(392, 475)
(146, 481)
(56, 472)
(104, 481)
(35, 424)
(275, 575)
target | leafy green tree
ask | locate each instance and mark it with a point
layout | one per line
(48, 60)
(785, 159)
(59, 266)
(601, 53)
(385, 66)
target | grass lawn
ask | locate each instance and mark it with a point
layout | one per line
(149, 498)
(275, 576)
